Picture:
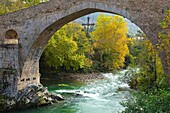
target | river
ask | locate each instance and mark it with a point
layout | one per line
(101, 96)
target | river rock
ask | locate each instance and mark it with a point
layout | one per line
(123, 89)
(55, 96)
(32, 95)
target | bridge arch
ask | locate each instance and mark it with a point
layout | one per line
(54, 22)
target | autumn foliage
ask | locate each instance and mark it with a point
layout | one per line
(110, 41)
(105, 49)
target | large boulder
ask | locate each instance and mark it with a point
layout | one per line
(33, 95)
(38, 95)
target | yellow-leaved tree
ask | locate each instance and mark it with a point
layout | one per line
(164, 46)
(110, 41)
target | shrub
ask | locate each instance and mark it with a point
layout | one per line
(153, 102)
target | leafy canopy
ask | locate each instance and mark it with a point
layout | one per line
(14, 5)
(110, 40)
(67, 48)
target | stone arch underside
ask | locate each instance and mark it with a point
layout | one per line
(37, 24)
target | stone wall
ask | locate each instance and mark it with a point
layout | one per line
(11, 80)
(9, 69)
(30, 75)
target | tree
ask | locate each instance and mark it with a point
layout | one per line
(151, 71)
(148, 99)
(164, 45)
(14, 5)
(110, 41)
(67, 48)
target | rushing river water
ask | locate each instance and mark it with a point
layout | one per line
(102, 96)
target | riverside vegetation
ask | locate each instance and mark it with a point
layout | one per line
(150, 82)
(108, 48)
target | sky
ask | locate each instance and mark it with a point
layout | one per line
(93, 17)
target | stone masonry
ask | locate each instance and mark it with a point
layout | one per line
(34, 26)
(9, 69)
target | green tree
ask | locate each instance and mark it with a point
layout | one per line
(67, 48)
(110, 41)
(151, 74)
(151, 71)
(164, 45)
(14, 5)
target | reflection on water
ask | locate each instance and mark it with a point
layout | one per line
(103, 96)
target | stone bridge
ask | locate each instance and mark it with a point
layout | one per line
(24, 34)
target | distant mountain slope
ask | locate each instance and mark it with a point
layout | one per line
(93, 17)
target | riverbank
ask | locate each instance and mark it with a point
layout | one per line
(38, 95)
(84, 78)
(99, 93)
